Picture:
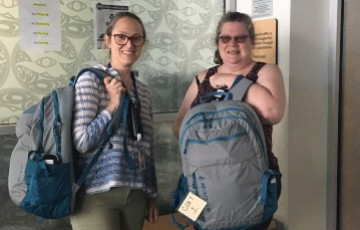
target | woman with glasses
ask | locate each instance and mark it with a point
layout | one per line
(235, 39)
(120, 190)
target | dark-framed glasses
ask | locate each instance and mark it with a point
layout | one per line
(239, 39)
(122, 39)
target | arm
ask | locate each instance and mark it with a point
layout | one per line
(186, 103)
(90, 118)
(267, 96)
(145, 97)
(149, 136)
(153, 214)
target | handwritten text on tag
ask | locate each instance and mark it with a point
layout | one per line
(192, 206)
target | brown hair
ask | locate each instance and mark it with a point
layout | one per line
(233, 17)
(120, 15)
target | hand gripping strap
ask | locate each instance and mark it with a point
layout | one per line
(112, 127)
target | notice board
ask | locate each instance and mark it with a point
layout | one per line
(265, 48)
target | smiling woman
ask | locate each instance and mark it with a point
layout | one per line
(179, 43)
(121, 188)
(235, 37)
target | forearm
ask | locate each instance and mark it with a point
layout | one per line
(269, 106)
(87, 135)
(88, 123)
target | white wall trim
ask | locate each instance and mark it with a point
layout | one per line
(333, 111)
(230, 5)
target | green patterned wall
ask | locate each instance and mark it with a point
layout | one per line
(181, 42)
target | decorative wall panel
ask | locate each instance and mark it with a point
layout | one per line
(180, 44)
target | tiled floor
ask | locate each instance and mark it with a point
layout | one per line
(164, 223)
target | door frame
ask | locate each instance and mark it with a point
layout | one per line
(334, 95)
(230, 5)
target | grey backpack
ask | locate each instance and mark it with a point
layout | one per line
(224, 163)
(42, 179)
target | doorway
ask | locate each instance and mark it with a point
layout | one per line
(349, 120)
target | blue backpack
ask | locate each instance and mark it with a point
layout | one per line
(42, 177)
(224, 163)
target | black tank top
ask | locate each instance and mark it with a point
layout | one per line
(205, 88)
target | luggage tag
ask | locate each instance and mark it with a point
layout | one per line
(192, 206)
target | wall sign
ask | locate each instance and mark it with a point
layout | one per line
(39, 24)
(103, 13)
(265, 48)
(262, 8)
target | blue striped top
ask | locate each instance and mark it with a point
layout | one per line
(90, 119)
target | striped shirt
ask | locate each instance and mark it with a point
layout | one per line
(90, 120)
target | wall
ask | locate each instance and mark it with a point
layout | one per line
(309, 38)
(180, 43)
(300, 140)
(281, 131)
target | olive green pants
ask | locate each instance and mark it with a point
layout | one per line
(118, 209)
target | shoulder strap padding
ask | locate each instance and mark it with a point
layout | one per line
(100, 73)
(240, 87)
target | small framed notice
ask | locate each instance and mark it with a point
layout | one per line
(262, 8)
(265, 48)
(192, 206)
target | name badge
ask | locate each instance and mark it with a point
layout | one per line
(192, 206)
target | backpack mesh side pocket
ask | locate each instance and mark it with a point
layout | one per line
(49, 189)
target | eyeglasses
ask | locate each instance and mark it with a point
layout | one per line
(239, 39)
(122, 39)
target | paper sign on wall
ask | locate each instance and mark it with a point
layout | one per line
(40, 25)
(265, 48)
(103, 13)
(262, 8)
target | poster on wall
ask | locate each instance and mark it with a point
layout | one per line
(262, 8)
(40, 25)
(265, 48)
(103, 13)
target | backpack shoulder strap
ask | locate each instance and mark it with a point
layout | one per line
(100, 73)
(242, 84)
(111, 128)
(240, 87)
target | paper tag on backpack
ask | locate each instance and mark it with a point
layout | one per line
(192, 206)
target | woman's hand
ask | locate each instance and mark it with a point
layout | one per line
(114, 88)
(152, 215)
(222, 80)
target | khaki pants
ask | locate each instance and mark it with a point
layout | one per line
(118, 209)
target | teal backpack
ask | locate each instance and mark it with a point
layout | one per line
(42, 179)
(225, 164)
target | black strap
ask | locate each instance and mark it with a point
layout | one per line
(197, 80)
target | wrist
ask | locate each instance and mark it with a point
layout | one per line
(111, 108)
